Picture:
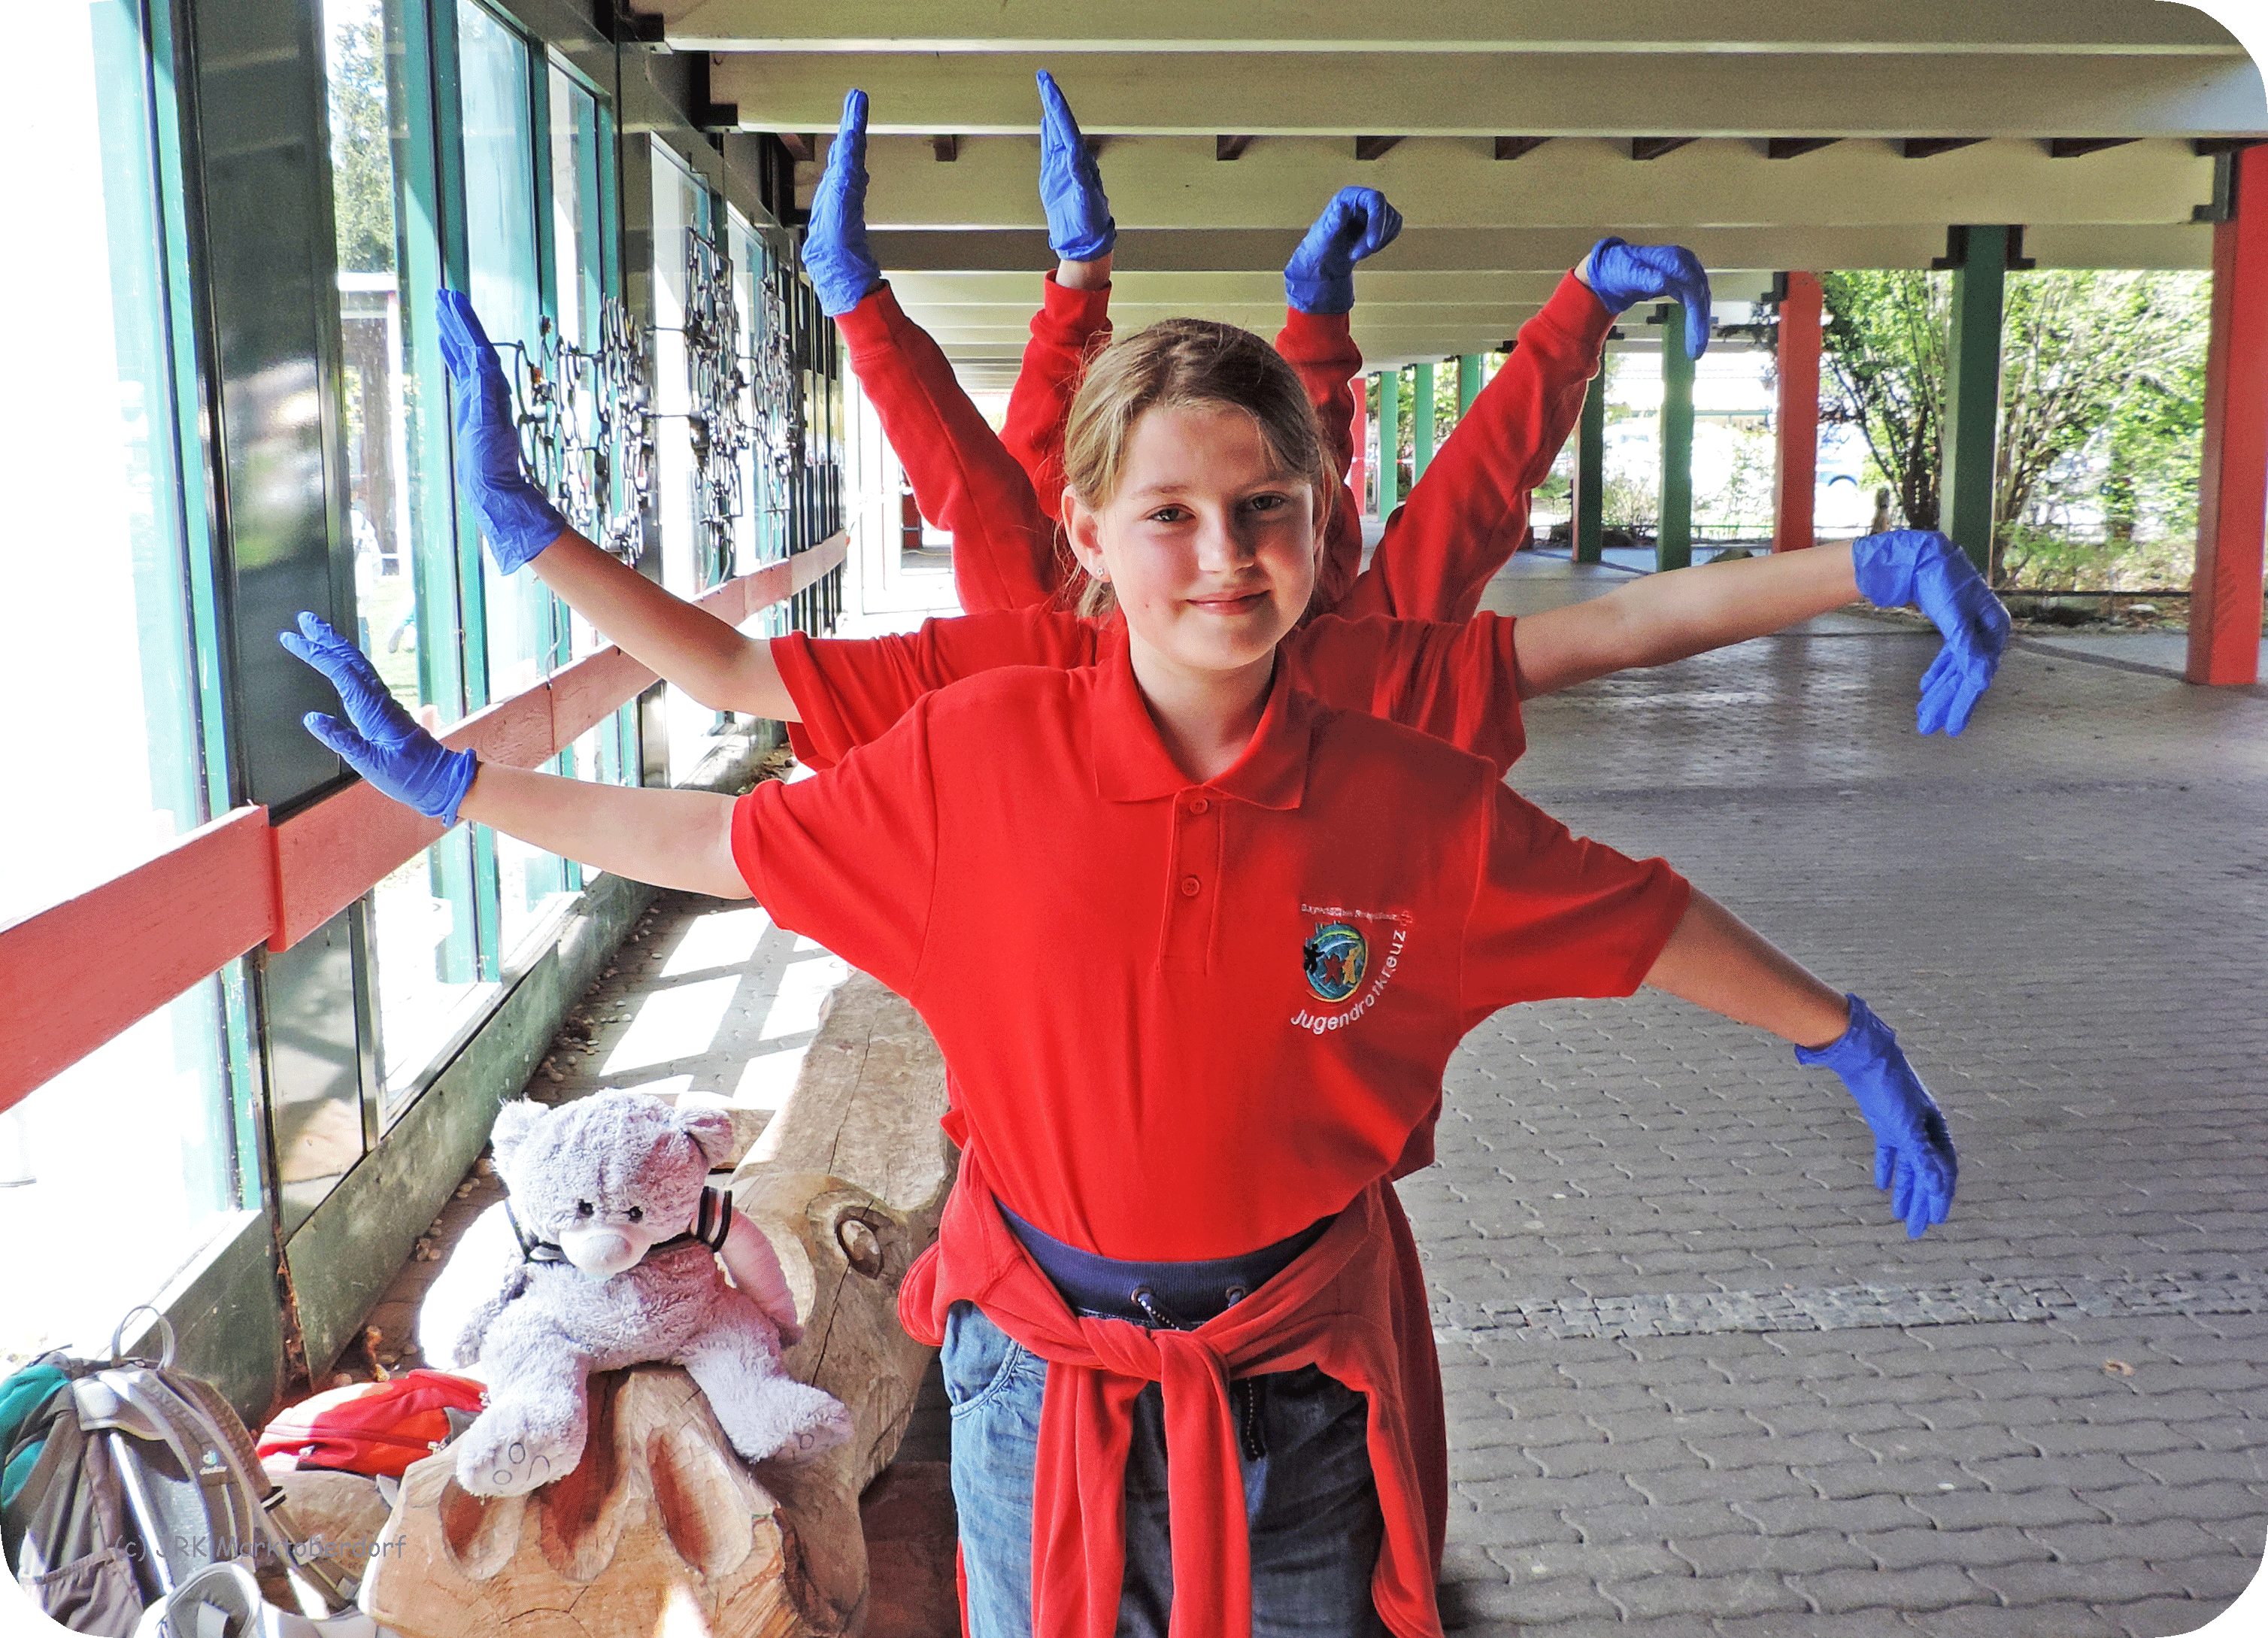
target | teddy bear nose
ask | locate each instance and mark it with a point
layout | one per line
(599, 1252)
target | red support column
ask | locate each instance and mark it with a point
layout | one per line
(1798, 418)
(2233, 486)
(1358, 462)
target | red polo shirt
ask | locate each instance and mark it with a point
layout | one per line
(1247, 990)
(1455, 682)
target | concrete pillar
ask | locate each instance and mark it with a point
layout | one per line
(1591, 471)
(2225, 594)
(1389, 439)
(1673, 546)
(1421, 421)
(1469, 381)
(1972, 401)
(1797, 418)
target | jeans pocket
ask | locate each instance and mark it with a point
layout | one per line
(977, 1356)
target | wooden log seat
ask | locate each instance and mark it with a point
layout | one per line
(663, 1529)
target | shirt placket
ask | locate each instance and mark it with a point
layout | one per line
(1192, 881)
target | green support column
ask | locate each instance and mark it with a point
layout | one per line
(1469, 381)
(1972, 404)
(1390, 440)
(1591, 472)
(1421, 422)
(1673, 546)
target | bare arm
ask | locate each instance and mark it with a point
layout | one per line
(671, 838)
(681, 642)
(1661, 617)
(1715, 960)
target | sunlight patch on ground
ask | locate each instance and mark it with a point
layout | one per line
(673, 1023)
(725, 937)
(803, 988)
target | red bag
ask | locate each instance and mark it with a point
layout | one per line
(375, 1428)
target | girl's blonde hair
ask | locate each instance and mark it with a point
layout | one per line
(1186, 364)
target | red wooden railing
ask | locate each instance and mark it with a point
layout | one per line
(76, 974)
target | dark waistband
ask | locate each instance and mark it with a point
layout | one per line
(1160, 1295)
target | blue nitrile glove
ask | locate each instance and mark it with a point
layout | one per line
(1357, 223)
(1622, 275)
(1925, 567)
(386, 745)
(1913, 1154)
(1080, 225)
(834, 254)
(516, 520)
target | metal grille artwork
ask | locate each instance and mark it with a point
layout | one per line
(717, 395)
(586, 434)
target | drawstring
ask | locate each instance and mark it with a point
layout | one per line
(1246, 1389)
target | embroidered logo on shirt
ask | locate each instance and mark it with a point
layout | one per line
(1336, 957)
(1336, 960)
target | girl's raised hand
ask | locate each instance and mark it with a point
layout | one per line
(516, 520)
(1357, 223)
(385, 744)
(842, 270)
(1080, 224)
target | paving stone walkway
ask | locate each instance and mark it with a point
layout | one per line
(1699, 1381)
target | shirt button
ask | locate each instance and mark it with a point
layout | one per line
(1198, 804)
(1191, 886)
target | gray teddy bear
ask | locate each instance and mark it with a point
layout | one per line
(604, 1254)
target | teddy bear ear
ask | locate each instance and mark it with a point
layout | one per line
(513, 1121)
(712, 1128)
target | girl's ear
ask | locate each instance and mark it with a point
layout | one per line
(1083, 530)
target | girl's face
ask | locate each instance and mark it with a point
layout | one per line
(1211, 550)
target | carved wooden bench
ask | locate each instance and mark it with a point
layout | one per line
(663, 1521)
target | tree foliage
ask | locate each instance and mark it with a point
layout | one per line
(2102, 378)
(362, 159)
(1883, 339)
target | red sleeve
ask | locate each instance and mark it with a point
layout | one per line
(849, 857)
(1321, 347)
(1468, 513)
(850, 691)
(1458, 683)
(965, 481)
(1063, 330)
(1555, 915)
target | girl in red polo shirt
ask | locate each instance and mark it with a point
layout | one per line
(1265, 923)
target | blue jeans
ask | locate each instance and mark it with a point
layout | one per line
(1310, 1501)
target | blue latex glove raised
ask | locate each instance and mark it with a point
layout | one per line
(1923, 567)
(516, 520)
(1622, 275)
(1080, 224)
(385, 745)
(1357, 223)
(1913, 1156)
(835, 253)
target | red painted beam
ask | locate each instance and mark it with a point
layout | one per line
(2225, 594)
(75, 975)
(1798, 416)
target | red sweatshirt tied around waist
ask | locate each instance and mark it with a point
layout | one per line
(1341, 1306)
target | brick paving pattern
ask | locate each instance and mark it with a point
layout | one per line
(1699, 1381)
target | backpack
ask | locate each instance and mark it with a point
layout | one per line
(375, 1428)
(138, 1477)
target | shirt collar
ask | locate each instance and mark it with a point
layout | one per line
(1130, 761)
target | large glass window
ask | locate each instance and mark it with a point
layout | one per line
(100, 659)
(423, 918)
(525, 634)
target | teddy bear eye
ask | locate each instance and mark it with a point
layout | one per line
(637, 1213)
(583, 1208)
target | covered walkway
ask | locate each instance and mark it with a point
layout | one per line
(1698, 1382)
